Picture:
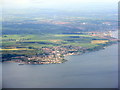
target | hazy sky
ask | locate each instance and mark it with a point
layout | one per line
(55, 3)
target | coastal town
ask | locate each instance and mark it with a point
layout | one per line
(54, 55)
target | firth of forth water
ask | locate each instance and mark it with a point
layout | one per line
(98, 69)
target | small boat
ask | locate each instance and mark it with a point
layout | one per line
(20, 64)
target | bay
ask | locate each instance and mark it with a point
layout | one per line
(0, 75)
(98, 69)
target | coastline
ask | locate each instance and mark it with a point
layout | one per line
(58, 60)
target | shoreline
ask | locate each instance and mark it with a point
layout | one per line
(63, 60)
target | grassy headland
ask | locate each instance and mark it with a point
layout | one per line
(50, 48)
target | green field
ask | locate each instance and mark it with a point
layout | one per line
(66, 35)
(50, 40)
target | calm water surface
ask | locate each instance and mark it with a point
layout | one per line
(0, 75)
(97, 69)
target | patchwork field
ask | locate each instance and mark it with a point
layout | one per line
(37, 41)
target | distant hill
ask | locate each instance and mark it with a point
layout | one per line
(35, 29)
